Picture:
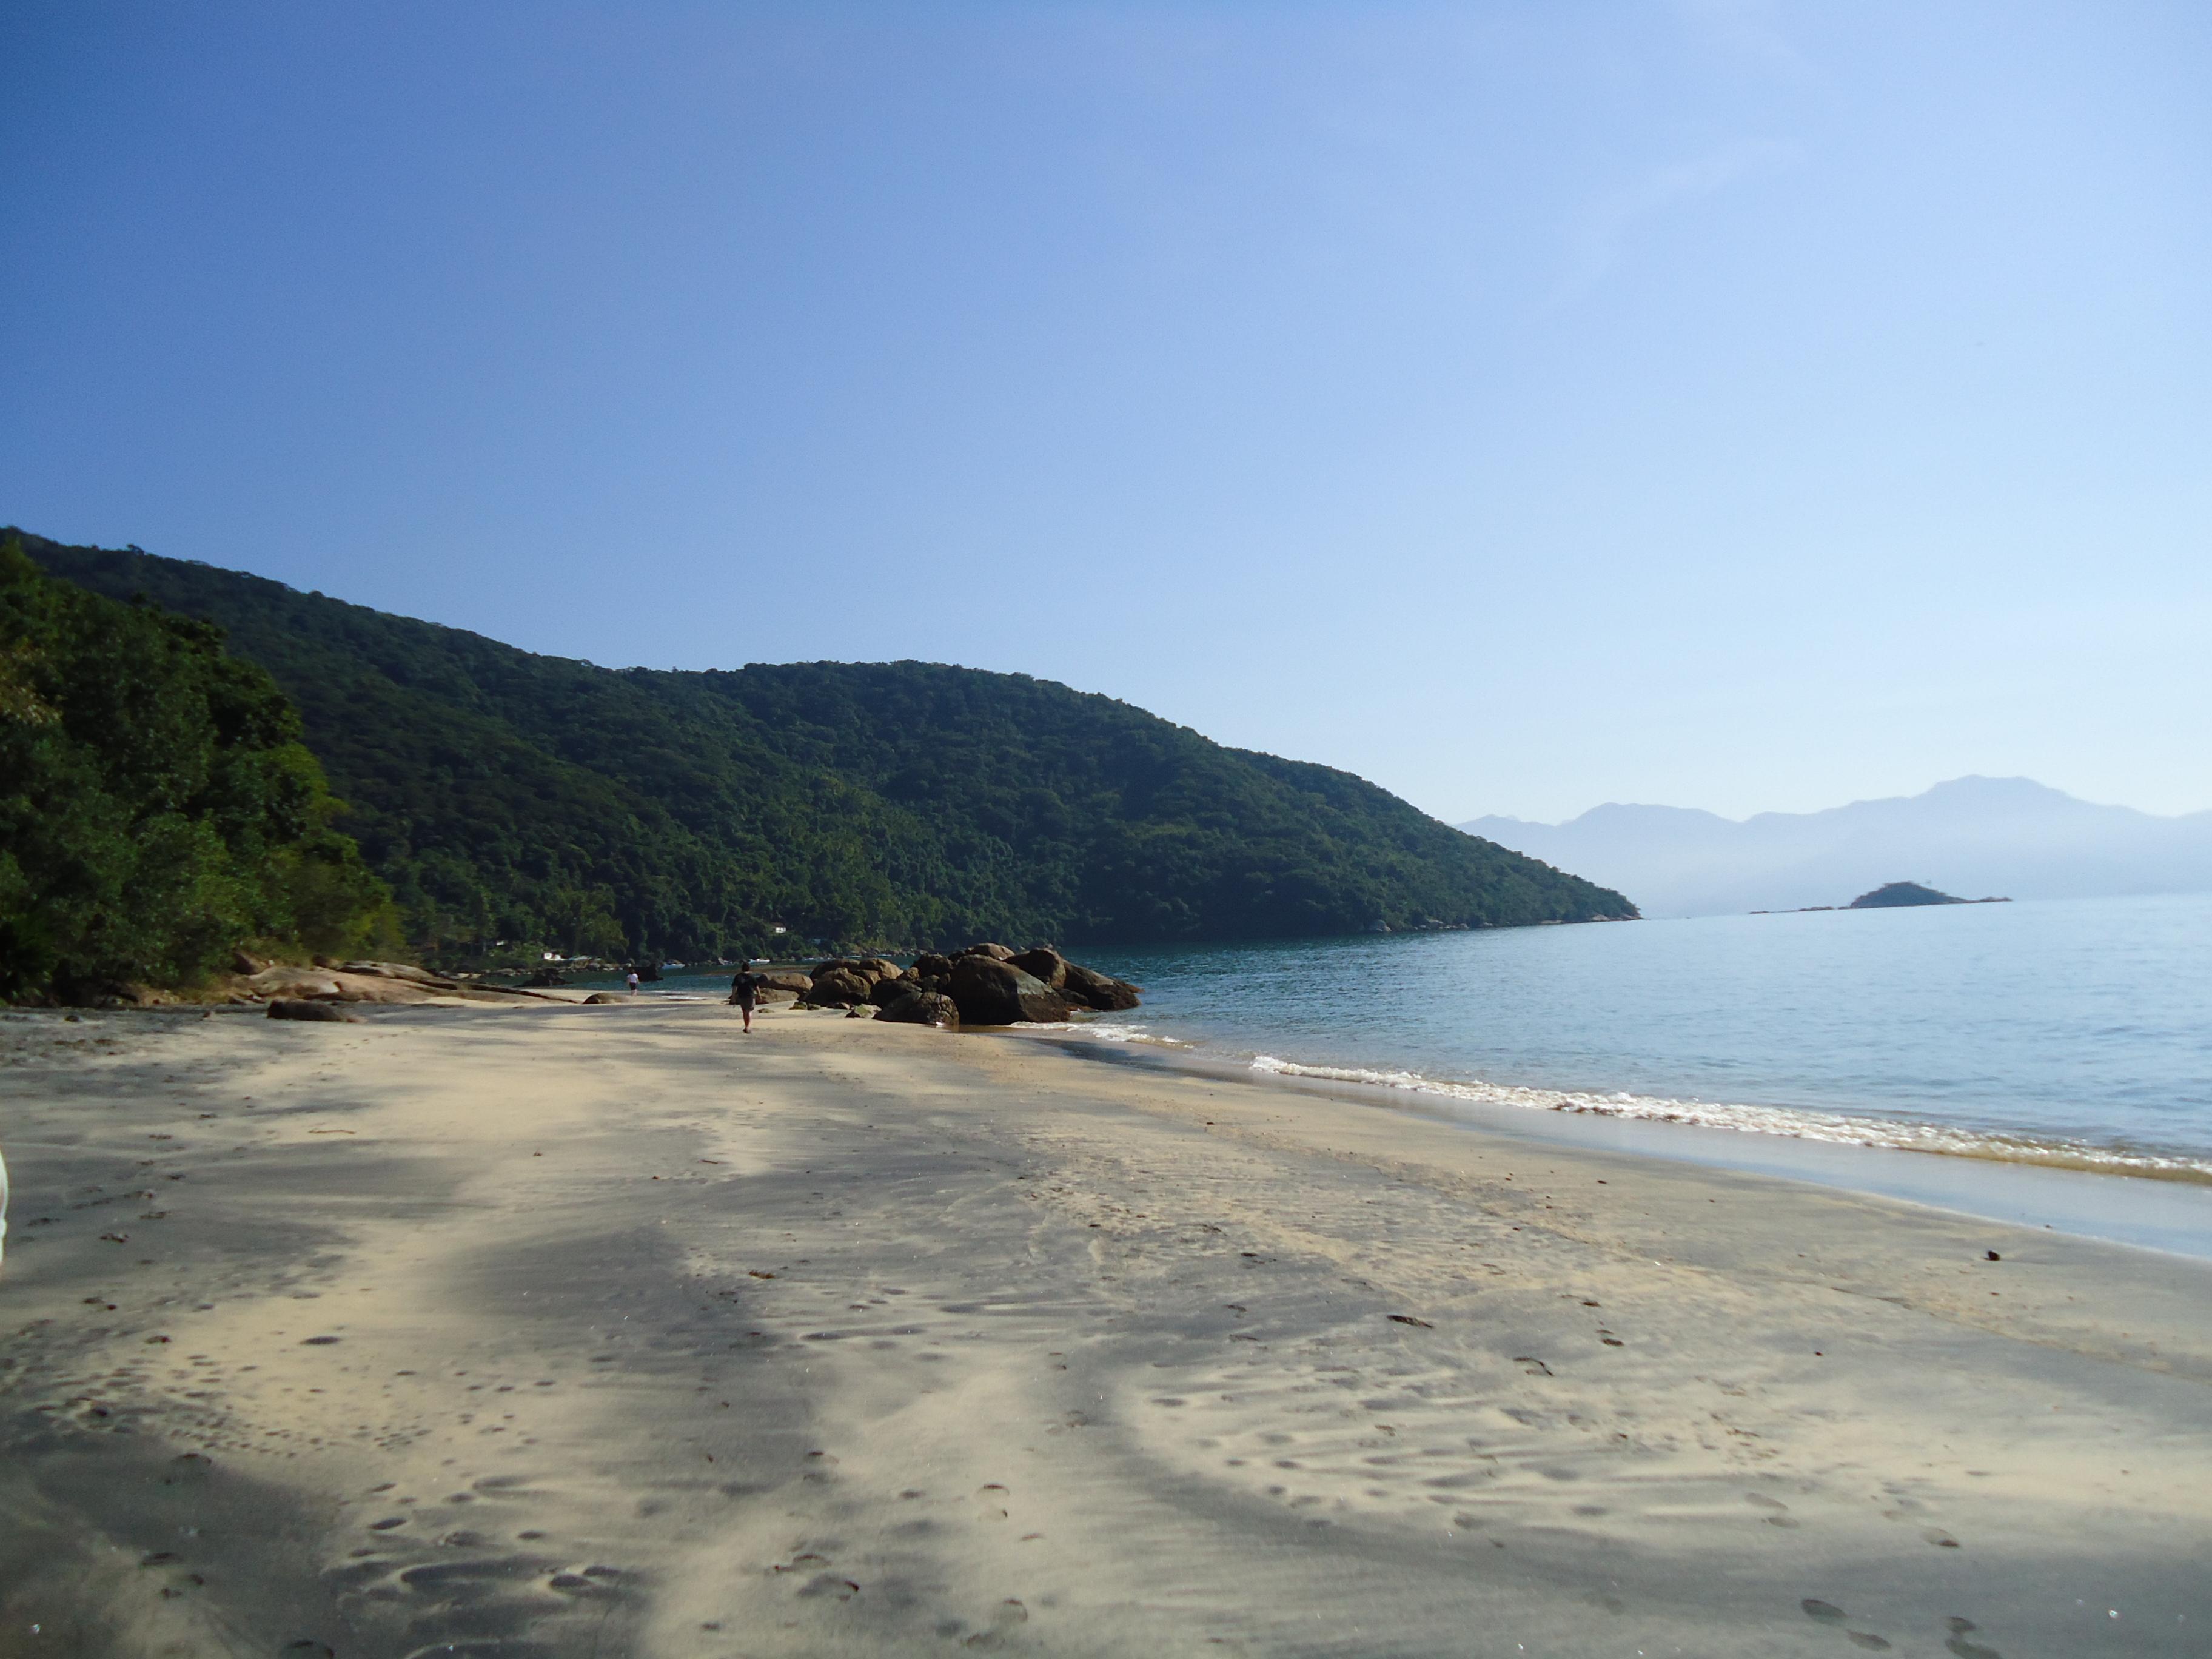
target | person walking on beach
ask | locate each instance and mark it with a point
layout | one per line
(745, 989)
(633, 982)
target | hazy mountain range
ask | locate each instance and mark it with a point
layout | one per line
(1973, 836)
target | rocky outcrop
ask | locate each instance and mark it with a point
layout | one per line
(845, 982)
(989, 991)
(287, 983)
(603, 998)
(371, 981)
(985, 984)
(1085, 987)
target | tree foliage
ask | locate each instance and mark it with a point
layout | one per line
(157, 807)
(505, 795)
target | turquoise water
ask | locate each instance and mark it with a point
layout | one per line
(2074, 1033)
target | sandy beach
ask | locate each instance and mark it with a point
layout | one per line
(559, 1330)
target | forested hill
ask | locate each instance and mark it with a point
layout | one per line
(509, 796)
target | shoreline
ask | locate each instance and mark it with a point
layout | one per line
(611, 1330)
(2171, 1214)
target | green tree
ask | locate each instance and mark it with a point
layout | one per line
(157, 808)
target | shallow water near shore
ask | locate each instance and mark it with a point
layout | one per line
(2072, 1034)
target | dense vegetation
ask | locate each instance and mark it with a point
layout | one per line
(1896, 895)
(157, 808)
(508, 796)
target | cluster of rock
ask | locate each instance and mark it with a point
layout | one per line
(983, 985)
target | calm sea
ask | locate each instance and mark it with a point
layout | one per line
(2073, 1033)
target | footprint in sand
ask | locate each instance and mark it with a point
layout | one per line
(1827, 1613)
(1776, 1516)
(576, 1583)
(1006, 1618)
(1960, 1647)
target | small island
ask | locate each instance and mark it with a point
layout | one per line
(1890, 896)
(1896, 894)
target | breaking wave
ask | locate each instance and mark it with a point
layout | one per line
(1795, 1123)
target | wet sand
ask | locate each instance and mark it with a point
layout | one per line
(570, 1331)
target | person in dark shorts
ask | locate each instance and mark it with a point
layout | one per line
(744, 990)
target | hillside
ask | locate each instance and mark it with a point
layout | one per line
(509, 796)
(1971, 835)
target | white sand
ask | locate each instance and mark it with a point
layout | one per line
(843, 1338)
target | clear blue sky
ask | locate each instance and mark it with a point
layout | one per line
(1523, 405)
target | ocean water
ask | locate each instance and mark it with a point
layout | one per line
(2074, 1033)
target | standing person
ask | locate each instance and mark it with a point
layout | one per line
(745, 989)
(633, 982)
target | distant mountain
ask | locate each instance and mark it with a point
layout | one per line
(511, 797)
(1976, 835)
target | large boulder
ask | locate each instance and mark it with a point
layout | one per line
(991, 992)
(915, 1008)
(286, 980)
(996, 952)
(797, 984)
(840, 988)
(1041, 961)
(886, 992)
(292, 1008)
(334, 985)
(1096, 990)
(930, 965)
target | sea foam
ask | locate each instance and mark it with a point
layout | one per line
(1797, 1123)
